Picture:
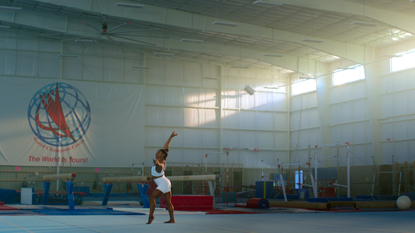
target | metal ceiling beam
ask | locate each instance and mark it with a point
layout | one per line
(53, 24)
(392, 18)
(191, 21)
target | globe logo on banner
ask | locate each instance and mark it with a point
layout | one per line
(59, 114)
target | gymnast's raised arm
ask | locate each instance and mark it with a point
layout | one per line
(174, 134)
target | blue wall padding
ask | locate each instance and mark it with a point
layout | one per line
(8, 196)
(259, 189)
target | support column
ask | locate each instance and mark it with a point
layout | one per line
(373, 88)
(324, 110)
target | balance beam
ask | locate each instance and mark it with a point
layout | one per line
(125, 179)
(65, 176)
(146, 178)
(69, 177)
(143, 188)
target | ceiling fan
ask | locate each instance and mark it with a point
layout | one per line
(114, 32)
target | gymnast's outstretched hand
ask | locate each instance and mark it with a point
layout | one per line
(174, 134)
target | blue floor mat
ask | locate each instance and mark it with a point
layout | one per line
(84, 212)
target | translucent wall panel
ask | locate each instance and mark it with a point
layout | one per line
(253, 139)
(347, 92)
(305, 138)
(27, 63)
(261, 101)
(48, 65)
(398, 127)
(299, 156)
(354, 133)
(307, 100)
(181, 73)
(350, 122)
(309, 118)
(7, 62)
(265, 120)
(93, 68)
(72, 68)
(304, 124)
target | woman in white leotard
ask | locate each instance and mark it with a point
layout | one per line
(163, 184)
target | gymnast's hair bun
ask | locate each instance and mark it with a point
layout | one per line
(167, 150)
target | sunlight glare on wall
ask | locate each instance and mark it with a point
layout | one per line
(303, 87)
(403, 62)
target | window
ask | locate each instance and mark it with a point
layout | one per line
(298, 179)
(353, 73)
(404, 61)
(303, 86)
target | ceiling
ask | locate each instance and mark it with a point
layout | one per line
(325, 24)
(333, 26)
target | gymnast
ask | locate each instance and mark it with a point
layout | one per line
(163, 184)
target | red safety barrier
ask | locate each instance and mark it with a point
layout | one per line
(190, 202)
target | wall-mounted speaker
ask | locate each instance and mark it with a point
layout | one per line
(249, 90)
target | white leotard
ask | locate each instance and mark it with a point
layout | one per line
(154, 170)
(163, 184)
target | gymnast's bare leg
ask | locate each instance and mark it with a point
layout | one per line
(156, 194)
(167, 198)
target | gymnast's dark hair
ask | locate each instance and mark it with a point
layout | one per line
(165, 153)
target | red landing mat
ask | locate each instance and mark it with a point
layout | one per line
(228, 212)
(3, 207)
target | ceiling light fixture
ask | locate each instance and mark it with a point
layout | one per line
(4, 27)
(268, 3)
(395, 38)
(312, 40)
(225, 24)
(335, 57)
(191, 40)
(272, 55)
(129, 5)
(10, 8)
(68, 55)
(367, 24)
(270, 87)
(163, 54)
(141, 67)
(212, 78)
(84, 40)
(240, 67)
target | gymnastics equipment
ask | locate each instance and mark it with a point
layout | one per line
(190, 202)
(403, 202)
(257, 203)
(142, 188)
(69, 177)
(347, 165)
(307, 205)
(313, 184)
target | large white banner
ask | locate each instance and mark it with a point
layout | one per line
(70, 123)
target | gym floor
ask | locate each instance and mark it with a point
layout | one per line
(277, 221)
